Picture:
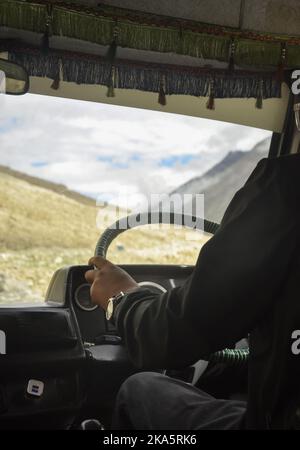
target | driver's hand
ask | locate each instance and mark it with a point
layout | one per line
(107, 281)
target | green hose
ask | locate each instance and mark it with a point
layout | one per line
(231, 357)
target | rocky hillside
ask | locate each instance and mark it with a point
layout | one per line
(221, 182)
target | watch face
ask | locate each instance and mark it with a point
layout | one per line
(110, 309)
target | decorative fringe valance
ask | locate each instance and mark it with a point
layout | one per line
(114, 27)
(164, 80)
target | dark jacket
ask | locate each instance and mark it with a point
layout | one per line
(246, 281)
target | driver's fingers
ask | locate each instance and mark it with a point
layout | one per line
(90, 276)
(98, 262)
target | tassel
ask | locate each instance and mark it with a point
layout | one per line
(111, 86)
(48, 32)
(180, 50)
(259, 99)
(110, 92)
(259, 103)
(231, 56)
(282, 64)
(45, 41)
(112, 50)
(56, 80)
(162, 95)
(211, 100)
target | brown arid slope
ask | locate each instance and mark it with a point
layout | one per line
(44, 226)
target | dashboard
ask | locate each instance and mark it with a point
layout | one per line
(69, 288)
(108, 363)
(72, 351)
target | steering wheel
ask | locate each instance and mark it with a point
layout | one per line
(146, 218)
(234, 357)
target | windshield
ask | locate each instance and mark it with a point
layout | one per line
(67, 168)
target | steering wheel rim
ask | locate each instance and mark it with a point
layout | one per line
(145, 218)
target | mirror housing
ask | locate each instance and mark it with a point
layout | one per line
(14, 79)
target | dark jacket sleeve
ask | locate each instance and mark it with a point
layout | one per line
(232, 286)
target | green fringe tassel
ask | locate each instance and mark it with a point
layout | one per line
(112, 51)
(48, 29)
(252, 53)
(281, 66)
(21, 15)
(45, 42)
(100, 30)
(231, 57)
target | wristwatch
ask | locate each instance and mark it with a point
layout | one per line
(112, 303)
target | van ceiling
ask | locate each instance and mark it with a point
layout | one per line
(270, 16)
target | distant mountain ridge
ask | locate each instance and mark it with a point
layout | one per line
(206, 179)
(220, 183)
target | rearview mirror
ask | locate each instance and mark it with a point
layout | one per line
(14, 79)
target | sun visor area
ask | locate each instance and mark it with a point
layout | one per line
(238, 111)
(148, 59)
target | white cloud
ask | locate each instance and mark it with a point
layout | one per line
(101, 149)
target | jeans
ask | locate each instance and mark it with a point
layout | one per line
(152, 401)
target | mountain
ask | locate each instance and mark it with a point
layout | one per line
(220, 183)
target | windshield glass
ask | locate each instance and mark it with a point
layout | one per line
(66, 165)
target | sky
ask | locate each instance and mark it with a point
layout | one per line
(108, 152)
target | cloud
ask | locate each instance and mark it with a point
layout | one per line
(103, 150)
(174, 160)
(8, 124)
(39, 164)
